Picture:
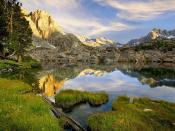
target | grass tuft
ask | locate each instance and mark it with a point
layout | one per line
(67, 99)
(140, 114)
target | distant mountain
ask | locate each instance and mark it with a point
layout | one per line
(97, 42)
(154, 34)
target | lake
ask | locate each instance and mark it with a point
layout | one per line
(156, 81)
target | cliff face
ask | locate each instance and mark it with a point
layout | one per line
(42, 24)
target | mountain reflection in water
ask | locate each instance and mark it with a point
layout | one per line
(153, 81)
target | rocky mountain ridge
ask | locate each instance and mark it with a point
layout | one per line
(154, 34)
(97, 42)
(44, 27)
(54, 46)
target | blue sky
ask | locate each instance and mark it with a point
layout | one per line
(119, 20)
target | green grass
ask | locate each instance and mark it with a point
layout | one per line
(67, 99)
(28, 62)
(24, 71)
(23, 111)
(8, 64)
(142, 114)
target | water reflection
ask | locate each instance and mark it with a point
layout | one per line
(93, 72)
(117, 80)
(49, 85)
(127, 78)
(120, 79)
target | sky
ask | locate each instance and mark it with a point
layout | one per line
(119, 20)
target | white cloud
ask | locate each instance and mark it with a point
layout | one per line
(71, 15)
(90, 27)
(140, 9)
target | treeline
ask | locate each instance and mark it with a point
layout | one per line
(158, 44)
(15, 31)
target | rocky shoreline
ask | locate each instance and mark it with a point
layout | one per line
(100, 55)
(130, 55)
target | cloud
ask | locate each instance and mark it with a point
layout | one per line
(113, 26)
(140, 9)
(91, 27)
(71, 15)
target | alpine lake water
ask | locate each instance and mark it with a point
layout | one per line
(155, 81)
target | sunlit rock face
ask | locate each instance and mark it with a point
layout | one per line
(49, 85)
(155, 34)
(42, 24)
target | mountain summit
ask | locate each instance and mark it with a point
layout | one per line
(96, 42)
(45, 29)
(154, 34)
(42, 24)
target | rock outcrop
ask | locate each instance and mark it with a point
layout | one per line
(77, 53)
(42, 24)
(132, 55)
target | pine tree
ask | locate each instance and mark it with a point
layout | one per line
(21, 34)
(15, 33)
(4, 34)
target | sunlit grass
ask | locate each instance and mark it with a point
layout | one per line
(23, 111)
(142, 114)
(67, 99)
